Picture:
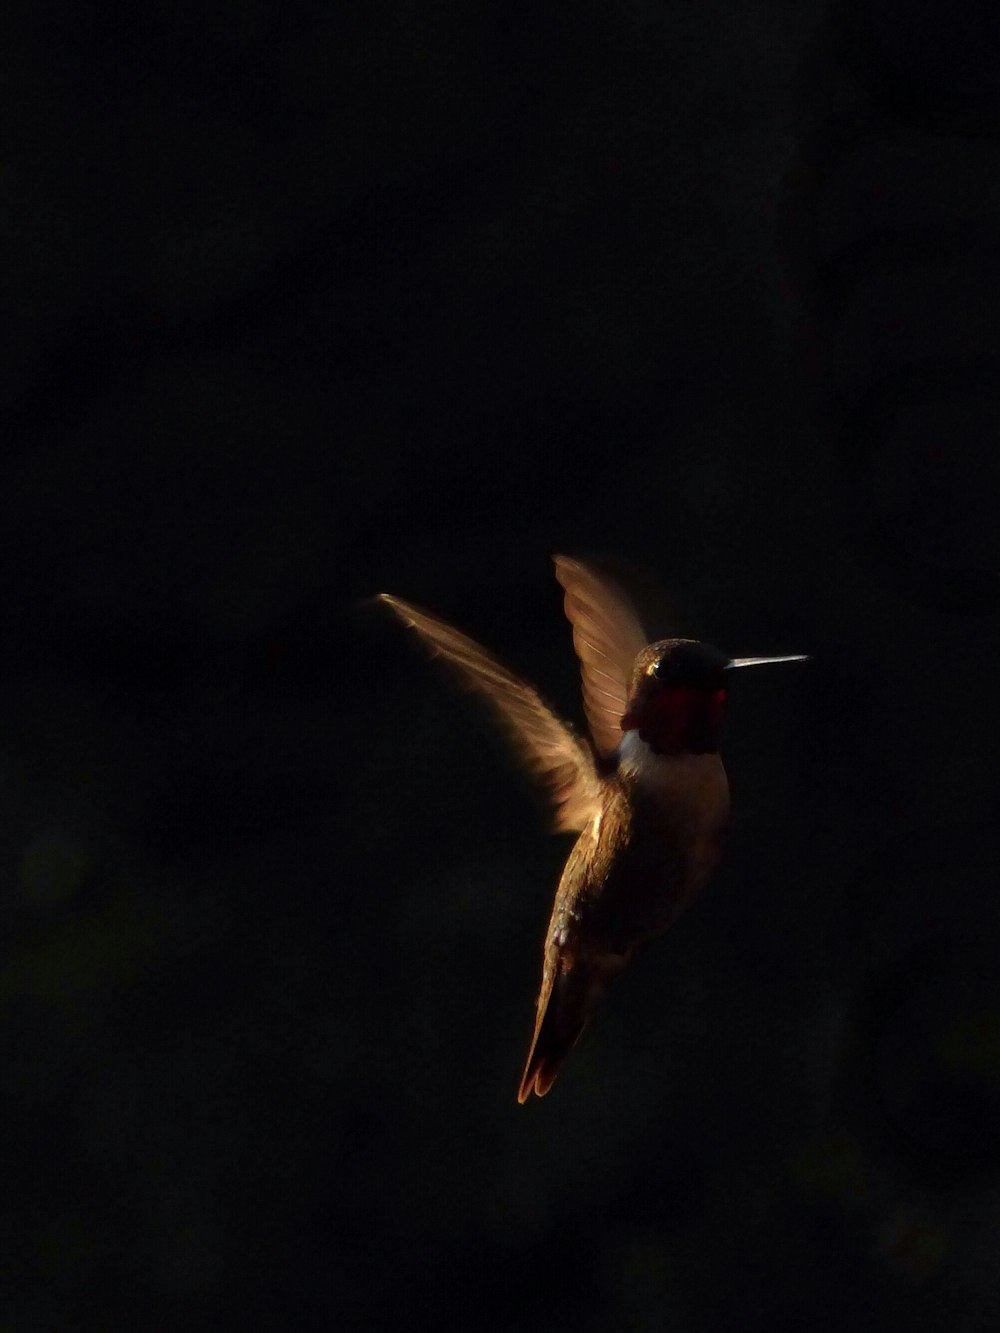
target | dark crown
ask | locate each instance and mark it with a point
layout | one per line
(687, 662)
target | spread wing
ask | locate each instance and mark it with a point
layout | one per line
(606, 635)
(550, 750)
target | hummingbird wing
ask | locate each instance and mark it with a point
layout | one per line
(578, 964)
(607, 635)
(546, 744)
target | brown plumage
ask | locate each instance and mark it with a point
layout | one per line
(650, 802)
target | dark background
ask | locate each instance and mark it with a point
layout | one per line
(304, 302)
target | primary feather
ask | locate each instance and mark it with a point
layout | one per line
(548, 747)
(607, 636)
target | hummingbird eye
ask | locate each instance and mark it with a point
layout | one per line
(661, 668)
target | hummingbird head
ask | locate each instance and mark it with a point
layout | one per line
(677, 694)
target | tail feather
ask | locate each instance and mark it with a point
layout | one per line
(563, 1013)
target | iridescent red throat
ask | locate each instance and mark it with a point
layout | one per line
(678, 719)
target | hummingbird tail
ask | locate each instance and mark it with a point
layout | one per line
(563, 1013)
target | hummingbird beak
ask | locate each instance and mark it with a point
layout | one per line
(764, 661)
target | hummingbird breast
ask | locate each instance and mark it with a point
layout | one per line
(649, 852)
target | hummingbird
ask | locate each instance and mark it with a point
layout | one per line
(646, 793)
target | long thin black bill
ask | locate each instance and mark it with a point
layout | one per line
(764, 661)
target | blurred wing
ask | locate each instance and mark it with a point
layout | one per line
(559, 759)
(606, 635)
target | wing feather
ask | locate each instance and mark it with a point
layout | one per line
(548, 747)
(607, 635)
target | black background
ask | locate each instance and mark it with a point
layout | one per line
(304, 302)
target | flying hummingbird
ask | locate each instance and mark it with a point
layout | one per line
(648, 794)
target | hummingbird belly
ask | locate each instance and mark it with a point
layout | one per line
(657, 839)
